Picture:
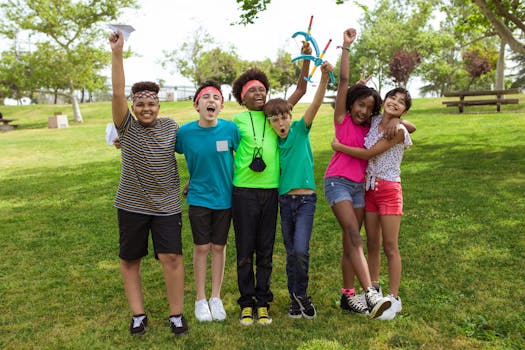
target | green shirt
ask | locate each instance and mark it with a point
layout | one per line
(264, 136)
(296, 158)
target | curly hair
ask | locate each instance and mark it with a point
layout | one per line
(359, 91)
(250, 74)
(207, 83)
(277, 106)
(400, 90)
(145, 86)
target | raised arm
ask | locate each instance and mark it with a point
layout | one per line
(349, 36)
(119, 102)
(300, 89)
(363, 153)
(311, 111)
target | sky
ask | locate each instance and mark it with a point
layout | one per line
(164, 25)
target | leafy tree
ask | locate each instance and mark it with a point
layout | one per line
(283, 72)
(218, 65)
(251, 9)
(390, 27)
(72, 28)
(507, 18)
(476, 64)
(402, 65)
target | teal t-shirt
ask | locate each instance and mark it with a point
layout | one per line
(209, 158)
(296, 159)
(264, 137)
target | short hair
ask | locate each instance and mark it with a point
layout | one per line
(277, 106)
(359, 91)
(250, 74)
(407, 98)
(145, 86)
(207, 83)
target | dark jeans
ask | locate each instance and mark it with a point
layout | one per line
(297, 217)
(254, 213)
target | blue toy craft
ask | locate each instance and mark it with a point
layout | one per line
(318, 58)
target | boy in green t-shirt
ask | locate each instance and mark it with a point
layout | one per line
(297, 195)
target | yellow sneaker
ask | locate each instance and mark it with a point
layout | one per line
(263, 318)
(246, 318)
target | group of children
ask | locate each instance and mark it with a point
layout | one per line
(246, 171)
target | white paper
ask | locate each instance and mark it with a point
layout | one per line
(111, 133)
(124, 28)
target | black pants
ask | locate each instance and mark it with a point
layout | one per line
(254, 213)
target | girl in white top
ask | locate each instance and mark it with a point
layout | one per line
(384, 197)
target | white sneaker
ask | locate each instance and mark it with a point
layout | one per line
(377, 304)
(217, 309)
(391, 312)
(202, 310)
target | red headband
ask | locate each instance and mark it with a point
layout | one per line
(208, 90)
(249, 84)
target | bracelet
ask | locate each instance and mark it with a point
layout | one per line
(343, 47)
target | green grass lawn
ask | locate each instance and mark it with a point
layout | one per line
(462, 242)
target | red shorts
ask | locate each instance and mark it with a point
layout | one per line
(385, 199)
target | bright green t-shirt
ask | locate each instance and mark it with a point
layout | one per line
(264, 136)
(296, 158)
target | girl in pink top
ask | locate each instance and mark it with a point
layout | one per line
(384, 196)
(343, 184)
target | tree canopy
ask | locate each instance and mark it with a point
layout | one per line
(67, 43)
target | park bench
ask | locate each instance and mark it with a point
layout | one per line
(5, 126)
(488, 99)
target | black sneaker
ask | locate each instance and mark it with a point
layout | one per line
(295, 309)
(138, 324)
(178, 325)
(353, 304)
(376, 303)
(306, 306)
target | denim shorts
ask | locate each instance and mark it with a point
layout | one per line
(338, 189)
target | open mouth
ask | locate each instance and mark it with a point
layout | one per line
(210, 109)
(282, 131)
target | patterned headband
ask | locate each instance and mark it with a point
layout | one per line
(146, 94)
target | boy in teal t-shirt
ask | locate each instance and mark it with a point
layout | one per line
(208, 145)
(297, 195)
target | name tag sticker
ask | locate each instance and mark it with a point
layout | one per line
(222, 146)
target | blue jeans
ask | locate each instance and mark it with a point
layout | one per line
(297, 218)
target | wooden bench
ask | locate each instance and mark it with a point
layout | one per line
(498, 101)
(4, 126)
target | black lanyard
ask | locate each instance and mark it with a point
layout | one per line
(253, 129)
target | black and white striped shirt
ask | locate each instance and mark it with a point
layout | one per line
(149, 181)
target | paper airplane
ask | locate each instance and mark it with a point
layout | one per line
(124, 28)
(111, 133)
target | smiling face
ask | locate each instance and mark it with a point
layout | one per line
(146, 110)
(281, 124)
(362, 110)
(395, 105)
(254, 98)
(209, 106)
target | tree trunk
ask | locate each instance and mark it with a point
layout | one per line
(77, 116)
(500, 68)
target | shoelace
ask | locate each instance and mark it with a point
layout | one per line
(373, 296)
(137, 321)
(262, 312)
(177, 321)
(357, 304)
(247, 312)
